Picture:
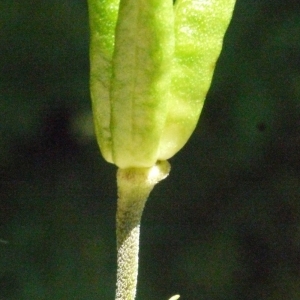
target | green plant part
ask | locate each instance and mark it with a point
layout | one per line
(152, 63)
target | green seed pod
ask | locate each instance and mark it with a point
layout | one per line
(151, 66)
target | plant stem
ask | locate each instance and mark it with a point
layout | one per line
(134, 187)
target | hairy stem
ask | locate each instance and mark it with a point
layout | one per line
(134, 187)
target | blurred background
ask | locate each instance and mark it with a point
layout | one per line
(225, 225)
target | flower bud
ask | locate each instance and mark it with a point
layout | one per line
(152, 63)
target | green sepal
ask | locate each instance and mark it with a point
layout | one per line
(142, 65)
(103, 17)
(200, 26)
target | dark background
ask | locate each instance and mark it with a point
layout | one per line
(225, 225)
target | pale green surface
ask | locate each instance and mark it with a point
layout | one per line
(147, 96)
(199, 30)
(142, 64)
(103, 17)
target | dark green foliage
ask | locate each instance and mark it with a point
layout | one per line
(223, 226)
